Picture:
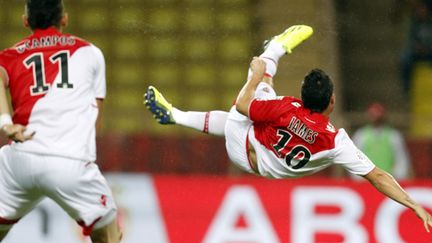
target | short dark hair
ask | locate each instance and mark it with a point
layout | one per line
(43, 14)
(316, 90)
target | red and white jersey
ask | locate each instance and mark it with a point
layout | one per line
(291, 141)
(54, 80)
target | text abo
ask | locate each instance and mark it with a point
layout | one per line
(347, 223)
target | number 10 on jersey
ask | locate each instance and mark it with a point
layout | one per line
(297, 152)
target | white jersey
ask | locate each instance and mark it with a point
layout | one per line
(54, 81)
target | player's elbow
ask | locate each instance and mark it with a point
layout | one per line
(379, 177)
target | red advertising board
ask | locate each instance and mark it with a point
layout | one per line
(251, 209)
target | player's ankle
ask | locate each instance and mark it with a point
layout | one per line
(177, 114)
(274, 51)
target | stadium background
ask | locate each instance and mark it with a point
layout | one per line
(197, 53)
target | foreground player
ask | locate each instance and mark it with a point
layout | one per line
(284, 137)
(57, 85)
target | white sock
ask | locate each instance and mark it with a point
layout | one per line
(271, 57)
(211, 122)
(274, 51)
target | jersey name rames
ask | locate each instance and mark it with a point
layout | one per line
(300, 129)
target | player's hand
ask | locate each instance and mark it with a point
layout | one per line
(424, 216)
(258, 66)
(16, 132)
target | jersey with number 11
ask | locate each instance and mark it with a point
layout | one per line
(54, 80)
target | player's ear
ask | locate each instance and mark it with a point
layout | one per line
(64, 20)
(332, 103)
(25, 20)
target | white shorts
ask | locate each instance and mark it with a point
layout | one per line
(237, 128)
(77, 186)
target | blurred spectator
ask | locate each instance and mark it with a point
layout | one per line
(418, 47)
(383, 144)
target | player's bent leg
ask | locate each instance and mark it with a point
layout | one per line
(109, 233)
(81, 190)
(236, 132)
(280, 45)
(268, 80)
(16, 200)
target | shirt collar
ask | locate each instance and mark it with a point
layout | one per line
(49, 30)
(315, 116)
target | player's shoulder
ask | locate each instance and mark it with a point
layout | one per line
(8, 55)
(5, 53)
(290, 103)
(84, 42)
(81, 42)
(89, 46)
(78, 40)
(13, 50)
(296, 102)
(327, 133)
(342, 138)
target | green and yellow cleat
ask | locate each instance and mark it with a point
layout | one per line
(159, 106)
(291, 37)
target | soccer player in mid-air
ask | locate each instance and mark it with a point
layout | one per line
(57, 85)
(284, 137)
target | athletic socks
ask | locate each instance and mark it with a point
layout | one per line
(212, 122)
(274, 51)
(271, 56)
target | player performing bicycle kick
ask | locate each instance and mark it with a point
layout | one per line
(281, 136)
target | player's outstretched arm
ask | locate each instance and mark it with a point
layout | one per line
(247, 93)
(386, 184)
(12, 131)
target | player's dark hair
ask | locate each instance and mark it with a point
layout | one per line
(42, 14)
(316, 90)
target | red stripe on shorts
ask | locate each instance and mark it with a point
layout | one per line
(87, 230)
(8, 221)
(206, 122)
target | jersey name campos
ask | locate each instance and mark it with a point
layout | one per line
(292, 141)
(54, 80)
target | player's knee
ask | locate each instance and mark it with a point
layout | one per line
(101, 227)
(268, 80)
(106, 230)
(109, 233)
(106, 219)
